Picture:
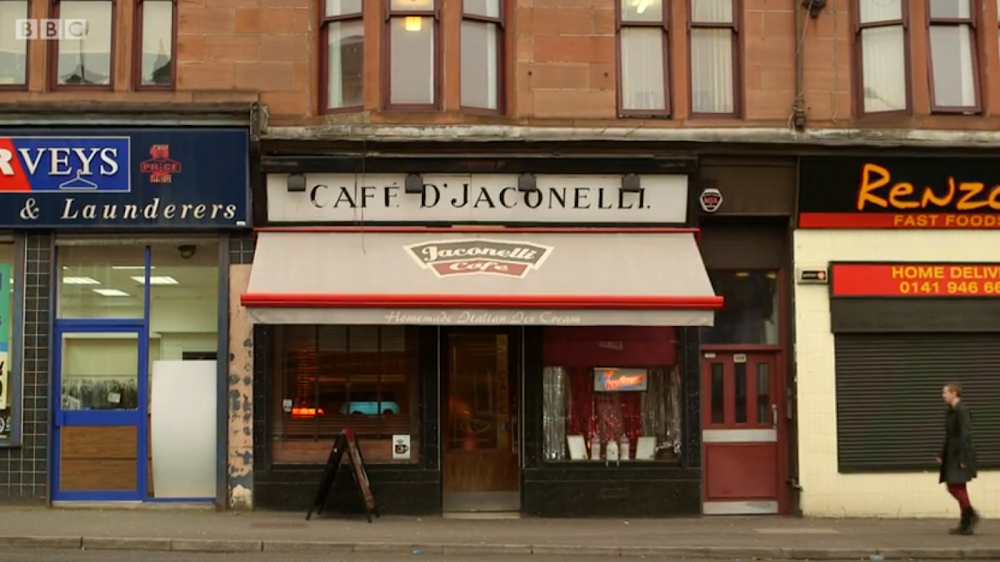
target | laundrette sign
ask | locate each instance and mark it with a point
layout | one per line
(159, 178)
(489, 198)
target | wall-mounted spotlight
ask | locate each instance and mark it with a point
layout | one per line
(527, 182)
(296, 183)
(414, 184)
(814, 7)
(630, 182)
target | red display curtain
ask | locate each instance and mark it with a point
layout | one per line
(580, 350)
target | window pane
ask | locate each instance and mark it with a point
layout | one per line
(884, 71)
(6, 337)
(882, 10)
(183, 299)
(96, 281)
(345, 57)
(13, 51)
(342, 7)
(611, 386)
(750, 313)
(763, 393)
(712, 11)
(86, 60)
(327, 378)
(100, 371)
(412, 61)
(642, 10)
(950, 9)
(642, 69)
(479, 65)
(954, 73)
(487, 8)
(718, 393)
(712, 71)
(157, 42)
(411, 5)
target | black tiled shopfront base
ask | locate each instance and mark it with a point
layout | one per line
(24, 470)
(397, 492)
(614, 492)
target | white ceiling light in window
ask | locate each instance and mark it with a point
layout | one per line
(80, 281)
(111, 292)
(131, 267)
(156, 280)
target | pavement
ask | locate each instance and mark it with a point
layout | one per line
(125, 556)
(162, 530)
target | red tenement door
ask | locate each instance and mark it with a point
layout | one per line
(741, 414)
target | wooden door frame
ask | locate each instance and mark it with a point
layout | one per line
(515, 353)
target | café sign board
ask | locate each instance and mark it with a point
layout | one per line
(478, 198)
(124, 178)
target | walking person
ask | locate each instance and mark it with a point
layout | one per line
(958, 457)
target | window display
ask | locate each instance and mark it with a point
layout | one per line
(611, 394)
(327, 378)
(6, 337)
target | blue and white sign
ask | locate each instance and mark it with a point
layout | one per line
(149, 178)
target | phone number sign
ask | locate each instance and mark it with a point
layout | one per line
(907, 279)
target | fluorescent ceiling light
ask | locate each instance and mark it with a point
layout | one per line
(156, 280)
(80, 281)
(111, 292)
(131, 267)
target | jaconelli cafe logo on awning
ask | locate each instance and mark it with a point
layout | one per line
(479, 256)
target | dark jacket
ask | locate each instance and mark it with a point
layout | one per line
(958, 449)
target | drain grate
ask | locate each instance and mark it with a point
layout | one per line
(277, 525)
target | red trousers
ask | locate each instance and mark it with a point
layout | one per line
(960, 493)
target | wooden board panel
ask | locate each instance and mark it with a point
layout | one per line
(480, 471)
(99, 458)
(99, 442)
(76, 475)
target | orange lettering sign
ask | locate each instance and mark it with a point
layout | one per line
(960, 195)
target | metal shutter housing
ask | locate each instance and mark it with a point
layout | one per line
(890, 415)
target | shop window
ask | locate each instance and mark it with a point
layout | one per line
(6, 339)
(96, 282)
(750, 313)
(327, 378)
(611, 394)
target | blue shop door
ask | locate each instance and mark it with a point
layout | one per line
(101, 411)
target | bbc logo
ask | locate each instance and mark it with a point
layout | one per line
(50, 29)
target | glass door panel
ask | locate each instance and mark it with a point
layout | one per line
(102, 382)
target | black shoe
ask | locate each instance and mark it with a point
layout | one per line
(973, 520)
(964, 524)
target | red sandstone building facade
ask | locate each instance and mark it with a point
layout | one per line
(648, 120)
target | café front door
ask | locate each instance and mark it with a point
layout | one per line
(480, 434)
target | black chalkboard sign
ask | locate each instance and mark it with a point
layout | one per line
(346, 442)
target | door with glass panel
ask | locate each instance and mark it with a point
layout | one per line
(100, 416)
(740, 427)
(480, 372)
